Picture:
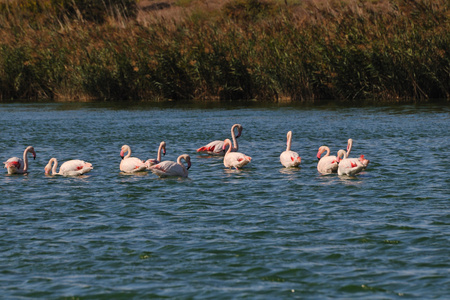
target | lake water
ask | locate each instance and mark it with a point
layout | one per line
(263, 232)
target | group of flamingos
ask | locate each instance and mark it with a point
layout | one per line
(341, 163)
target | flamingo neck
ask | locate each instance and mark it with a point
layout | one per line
(349, 146)
(184, 157)
(227, 142)
(25, 159)
(289, 141)
(128, 151)
(328, 151)
(341, 153)
(55, 165)
(233, 137)
(158, 157)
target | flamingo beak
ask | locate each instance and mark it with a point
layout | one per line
(121, 156)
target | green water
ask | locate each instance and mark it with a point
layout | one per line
(263, 232)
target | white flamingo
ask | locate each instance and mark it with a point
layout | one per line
(16, 165)
(152, 161)
(327, 164)
(290, 158)
(348, 166)
(170, 168)
(216, 147)
(72, 167)
(364, 161)
(130, 164)
(234, 159)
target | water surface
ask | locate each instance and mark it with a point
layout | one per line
(261, 232)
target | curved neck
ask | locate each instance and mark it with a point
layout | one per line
(53, 161)
(233, 136)
(342, 153)
(328, 151)
(127, 150)
(225, 143)
(289, 141)
(25, 159)
(55, 165)
(186, 158)
(161, 146)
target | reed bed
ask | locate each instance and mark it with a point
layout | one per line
(301, 51)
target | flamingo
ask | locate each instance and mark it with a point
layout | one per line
(348, 166)
(16, 165)
(152, 161)
(234, 159)
(290, 158)
(72, 167)
(364, 161)
(171, 168)
(216, 147)
(130, 164)
(327, 164)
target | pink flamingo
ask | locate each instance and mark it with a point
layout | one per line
(216, 147)
(171, 168)
(290, 158)
(348, 166)
(16, 165)
(364, 161)
(130, 164)
(327, 164)
(152, 161)
(72, 167)
(234, 159)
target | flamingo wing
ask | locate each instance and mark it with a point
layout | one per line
(215, 148)
(14, 165)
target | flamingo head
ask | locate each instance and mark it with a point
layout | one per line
(187, 158)
(341, 153)
(226, 143)
(349, 145)
(31, 149)
(124, 150)
(47, 169)
(163, 145)
(239, 130)
(319, 153)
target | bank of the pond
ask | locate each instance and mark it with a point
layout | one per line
(291, 51)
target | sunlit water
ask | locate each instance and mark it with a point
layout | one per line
(260, 232)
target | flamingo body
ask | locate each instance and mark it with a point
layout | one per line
(217, 147)
(131, 164)
(72, 167)
(16, 165)
(327, 164)
(234, 159)
(171, 168)
(348, 166)
(290, 158)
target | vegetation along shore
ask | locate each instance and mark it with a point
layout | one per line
(225, 50)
